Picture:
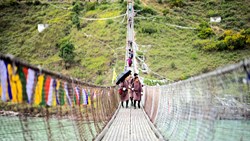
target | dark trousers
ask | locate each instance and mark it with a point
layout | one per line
(132, 102)
(126, 103)
(139, 101)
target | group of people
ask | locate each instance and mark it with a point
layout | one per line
(131, 87)
(131, 90)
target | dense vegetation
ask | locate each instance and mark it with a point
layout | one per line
(94, 48)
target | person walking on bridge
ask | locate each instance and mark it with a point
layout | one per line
(137, 90)
(130, 91)
(125, 87)
(131, 54)
(129, 60)
(130, 22)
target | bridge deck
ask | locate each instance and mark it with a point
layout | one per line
(130, 125)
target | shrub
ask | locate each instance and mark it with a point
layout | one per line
(136, 6)
(205, 31)
(77, 7)
(149, 30)
(173, 66)
(29, 2)
(177, 3)
(66, 51)
(90, 6)
(12, 3)
(212, 13)
(212, 2)
(235, 41)
(148, 10)
(227, 33)
(203, 25)
(205, 70)
(200, 43)
(210, 47)
(103, 7)
(246, 33)
(37, 2)
(76, 21)
(137, 2)
(230, 40)
(165, 12)
(194, 56)
(67, 29)
(221, 45)
(207, 45)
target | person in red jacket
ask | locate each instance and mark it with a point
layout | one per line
(137, 91)
(125, 95)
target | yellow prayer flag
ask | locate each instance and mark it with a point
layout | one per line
(12, 84)
(38, 91)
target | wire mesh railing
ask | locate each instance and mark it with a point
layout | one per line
(211, 107)
(37, 104)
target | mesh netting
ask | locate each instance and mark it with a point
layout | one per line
(40, 105)
(213, 106)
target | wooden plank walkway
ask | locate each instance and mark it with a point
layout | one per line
(130, 125)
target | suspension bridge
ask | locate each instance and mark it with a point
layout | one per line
(38, 104)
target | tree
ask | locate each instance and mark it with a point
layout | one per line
(67, 51)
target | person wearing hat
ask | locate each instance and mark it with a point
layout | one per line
(137, 90)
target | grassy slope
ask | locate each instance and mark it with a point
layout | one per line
(98, 42)
(95, 57)
(172, 53)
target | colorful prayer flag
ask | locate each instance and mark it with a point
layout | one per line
(22, 79)
(77, 96)
(15, 84)
(57, 86)
(85, 97)
(49, 93)
(89, 97)
(30, 79)
(94, 99)
(61, 93)
(38, 91)
(9, 82)
(67, 93)
(3, 74)
(44, 89)
(54, 93)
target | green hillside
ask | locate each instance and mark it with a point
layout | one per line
(172, 52)
(99, 45)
